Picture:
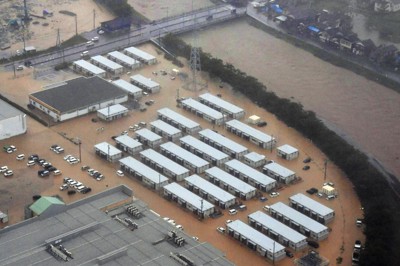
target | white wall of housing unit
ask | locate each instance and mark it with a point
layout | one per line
(147, 137)
(287, 152)
(131, 89)
(279, 173)
(107, 64)
(128, 144)
(107, 151)
(222, 106)
(179, 121)
(203, 111)
(222, 143)
(124, 60)
(112, 112)
(145, 83)
(140, 55)
(88, 69)
(311, 208)
(165, 130)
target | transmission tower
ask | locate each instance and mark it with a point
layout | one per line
(59, 45)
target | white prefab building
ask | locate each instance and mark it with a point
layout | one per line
(328, 190)
(251, 134)
(107, 152)
(208, 153)
(143, 173)
(254, 119)
(287, 152)
(128, 144)
(203, 111)
(167, 131)
(298, 221)
(279, 173)
(184, 157)
(230, 183)
(250, 175)
(311, 208)
(145, 83)
(149, 138)
(222, 143)
(188, 200)
(178, 121)
(277, 230)
(255, 240)
(123, 59)
(132, 90)
(88, 69)
(140, 55)
(164, 165)
(254, 159)
(222, 106)
(107, 64)
(112, 112)
(12, 121)
(210, 192)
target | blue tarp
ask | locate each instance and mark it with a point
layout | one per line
(277, 9)
(314, 29)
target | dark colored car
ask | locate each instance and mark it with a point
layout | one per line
(86, 190)
(263, 199)
(307, 160)
(71, 192)
(306, 167)
(262, 124)
(33, 157)
(289, 254)
(43, 173)
(313, 244)
(51, 168)
(312, 191)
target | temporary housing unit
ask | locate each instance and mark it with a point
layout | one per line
(112, 112)
(279, 173)
(145, 83)
(107, 152)
(250, 175)
(222, 143)
(12, 121)
(165, 130)
(311, 208)
(107, 64)
(222, 106)
(147, 137)
(230, 183)
(255, 240)
(251, 134)
(143, 173)
(201, 149)
(277, 230)
(123, 59)
(128, 144)
(140, 55)
(202, 110)
(164, 165)
(88, 69)
(254, 159)
(210, 192)
(188, 200)
(299, 221)
(130, 89)
(184, 157)
(254, 119)
(177, 120)
(287, 152)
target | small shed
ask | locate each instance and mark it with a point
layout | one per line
(253, 119)
(43, 204)
(287, 152)
(254, 159)
(328, 190)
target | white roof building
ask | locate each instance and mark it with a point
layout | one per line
(221, 105)
(145, 83)
(203, 111)
(254, 159)
(287, 152)
(220, 142)
(112, 112)
(128, 144)
(311, 208)
(107, 64)
(148, 137)
(88, 68)
(131, 89)
(140, 55)
(107, 151)
(177, 120)
(123, 59)
(166, 130)
(279, 173)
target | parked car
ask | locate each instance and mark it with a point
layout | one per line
(357, 244)
(307, 160)
(120, 173)
(180, 227)
(312, 191)
(64, 187)
(8, 173)
(266, 208)
(306, 167)
(313, 244)
(221, 230)
(33, 157)
(263, 199)
(330, 197)
(43, 173)
(289, 254)
(233, 211)
(19, 68)
(228, 221)
(274, 194)
(242, 207)
(86, 190)
(3, 169)
(71, 192)
(262, 124)
(95, 39)
(30, 163)
(20, 157)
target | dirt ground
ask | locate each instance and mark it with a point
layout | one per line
(17, 191)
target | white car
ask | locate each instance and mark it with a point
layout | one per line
(67, 156)
(20, 157)
(64, 187)
(73, 161)
(228, 221)
(8, 173)
(30, 163)
(95, 39)
(232, 211)
(166, 219)
(266, 208)
(120, 173)
(19, 68)
(180, 227)
(172, 222)
(221, 230)
(89, 43)
(274, 194)
(3, 169)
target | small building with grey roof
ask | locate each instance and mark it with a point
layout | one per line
(311, 208)
(123, 59)
(107, 151)
(88, 69)
(287, 152)
(76, 97)
(203, 111)
(250, 175)
(188, 200)
(201, 149)
(144, 83)
(12, 121)
(140, 55)
(234, 185)
(107, 64)
(222, 106)
(143, 173)
(148, 137)
(132, 90)
(254, 159)
(184, 157)
(112, 112)
(164, 165)
(277, 230)
(224, 144)
(165, 130)
(210, 192)
(128, 144)
(179, 121)
(279, 173)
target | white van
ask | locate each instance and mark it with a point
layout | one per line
(20, 157)
(232, 211)
(85, 54)
(57, 172)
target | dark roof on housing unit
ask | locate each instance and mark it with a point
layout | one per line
(79, 93)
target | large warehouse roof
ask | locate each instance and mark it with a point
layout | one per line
(78, 93)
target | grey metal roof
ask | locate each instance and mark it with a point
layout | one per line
(8, 111)
(252, 132)
(202, 108)
(89, 67)
(210, 188)
(140, 53)
(113, 109)
(204, 148)
(128, 141)
(279, 169)
(186, 122)
(250, 172)
(124, 58)
(188, 196)
(148, 134)
(230, 180)
(106, 62)
(79, 93)
(256, 237)
(164, 162)
(107, 148)
(167, 128)
(223, 141)
(311, 204)
(298, 217)
(184, 154)
(145, 81)
(128, 87)
(277, 227)
(143, 169)
(254, 156)
(287, 149)
(221, 103)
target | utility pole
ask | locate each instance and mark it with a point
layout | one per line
(201, 207)
(76, 24)
(325, 168)
(94, 19)
(80, 153)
